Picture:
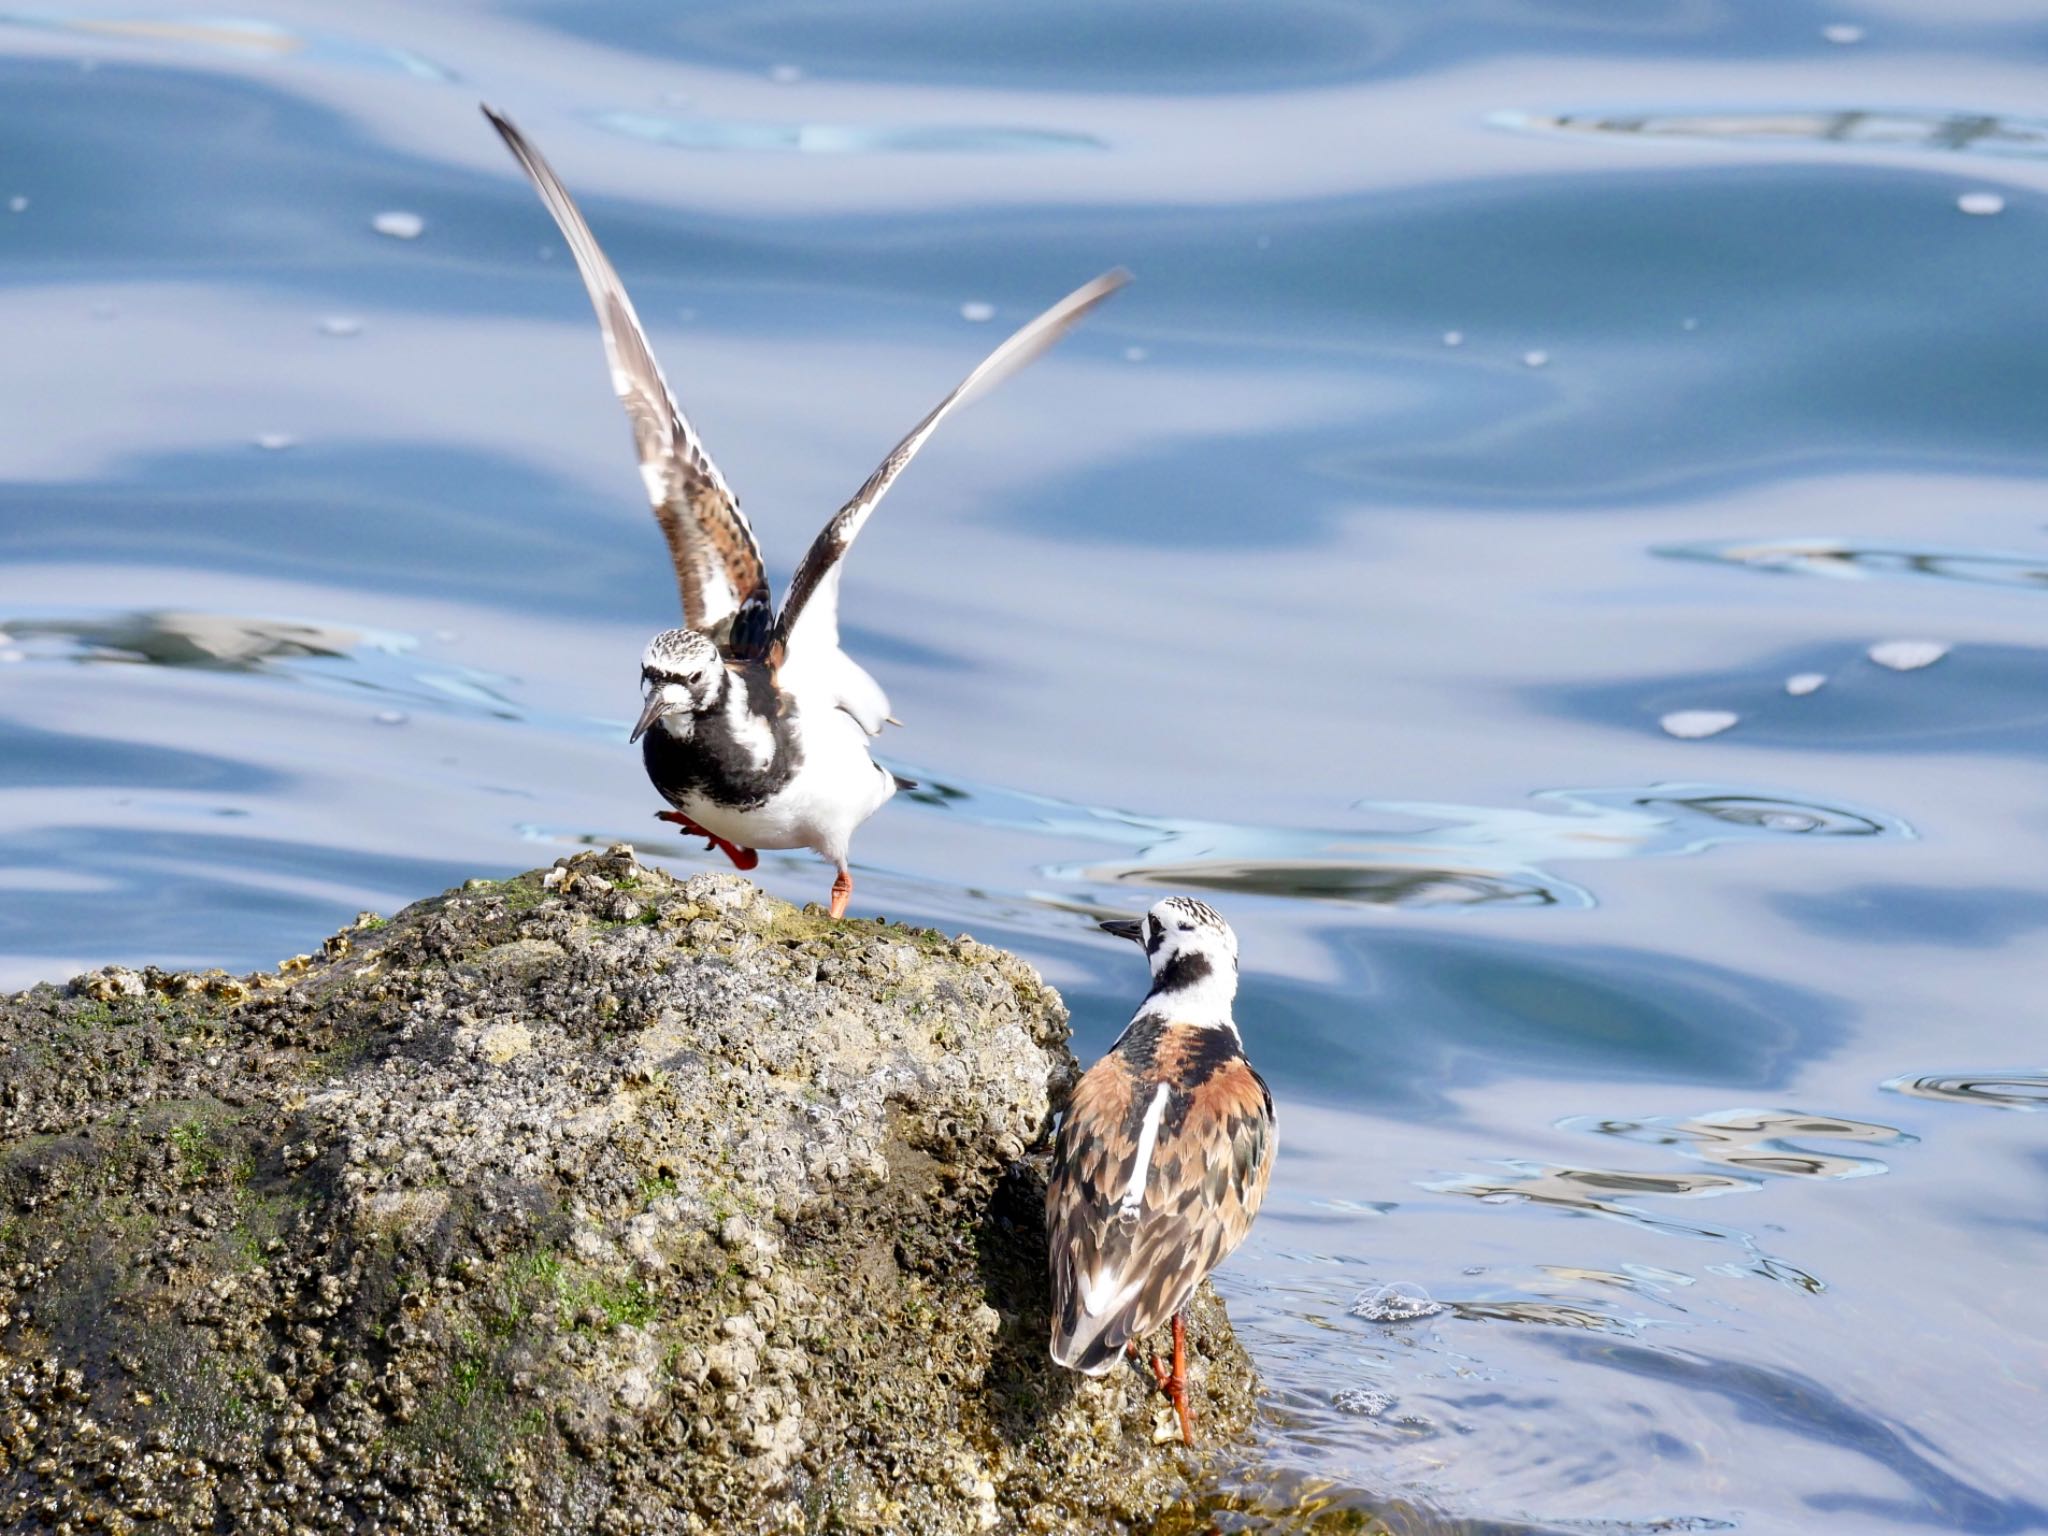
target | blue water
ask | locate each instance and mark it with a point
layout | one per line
(1501, 382)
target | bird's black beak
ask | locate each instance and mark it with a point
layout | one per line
(653, 712)
(1125, 929)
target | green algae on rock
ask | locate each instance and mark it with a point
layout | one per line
(593, 1200)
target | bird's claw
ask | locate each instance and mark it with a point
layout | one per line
(742, 858)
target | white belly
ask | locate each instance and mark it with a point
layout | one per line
(838, 787)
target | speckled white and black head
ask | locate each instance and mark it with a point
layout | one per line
(681, 676)
(1193, 954)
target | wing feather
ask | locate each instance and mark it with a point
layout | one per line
(718, 564)
(1115, 1278)
(807, 631)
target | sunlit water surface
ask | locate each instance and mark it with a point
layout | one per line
(1513, 401)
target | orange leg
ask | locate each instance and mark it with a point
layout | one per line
(1160, 1374)
(1176, 1385)
(742, 858)
(1174, 1382)
(842, 891)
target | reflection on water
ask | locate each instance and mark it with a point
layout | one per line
(1333, 605)
(1747, 1142)
(1817, 1419)
(380, 664)
(200, 639)
(1996, 1090)
(1544, 1314)
(845, 138)
(242, 35)
(1757, 1140)
(1863, 559)
(1587, 1189)
(1610, 1193)
(1459, 856)
(1977, 133)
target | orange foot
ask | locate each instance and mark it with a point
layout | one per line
(842, 892)
(1174, 1383)
(742, 858)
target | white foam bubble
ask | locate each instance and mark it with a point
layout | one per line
(1399, 1302)
(1363, 1401)
(398, 224)
(1800, 684)
(1907, 655)
(1982, 204)
(1697, 724)
(977, 311)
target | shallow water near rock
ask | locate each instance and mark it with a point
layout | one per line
(1690, 1076)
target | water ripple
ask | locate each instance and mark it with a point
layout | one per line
(811, 138)
(244, 36)
(1974, 133)
(1463, 856)
(323, 656)
(1410, 854)
(1756, 1140)
(1588, 1189)
(1546, 1314)
(1602, 1192)
(1811, 1410)
(1865, 559)
(2023, 1090)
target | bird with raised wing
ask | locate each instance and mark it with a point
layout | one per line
(755, 726)
(1162, 1158)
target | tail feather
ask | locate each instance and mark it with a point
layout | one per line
(1095, 1314)
(1094, 1355)
(1085, 1341)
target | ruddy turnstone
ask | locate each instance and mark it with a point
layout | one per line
(755, 725)
(1162, 1158)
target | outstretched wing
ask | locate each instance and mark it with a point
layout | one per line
(807, 632)
(1122, 1269)
(718, 564)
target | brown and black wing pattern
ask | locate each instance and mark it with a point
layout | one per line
(809, 622)
(718, 564)
(1118, 1273)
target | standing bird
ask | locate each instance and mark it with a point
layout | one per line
(755, 726)
(1162, 1158)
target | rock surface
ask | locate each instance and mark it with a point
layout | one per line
(593, 1200)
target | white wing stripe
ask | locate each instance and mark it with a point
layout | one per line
(1148, 1138)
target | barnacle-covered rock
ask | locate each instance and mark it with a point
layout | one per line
(593, 1200)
